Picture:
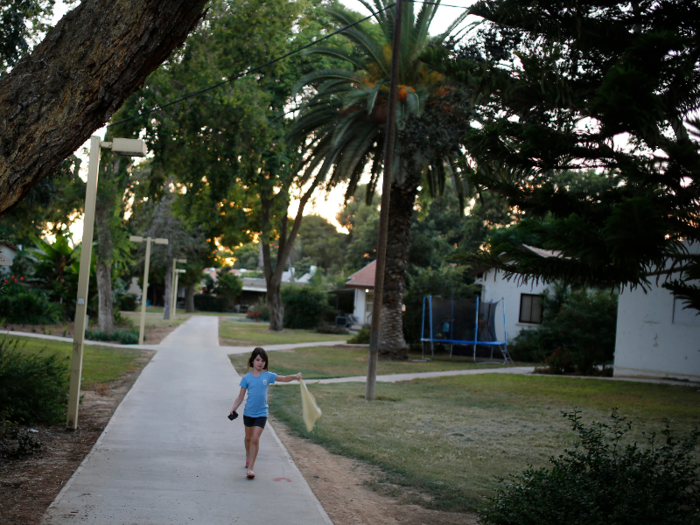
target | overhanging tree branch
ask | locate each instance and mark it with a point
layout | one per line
(77, 78)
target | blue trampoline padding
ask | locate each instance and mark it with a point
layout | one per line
(454, 342)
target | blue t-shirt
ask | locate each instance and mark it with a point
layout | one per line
(256, 404)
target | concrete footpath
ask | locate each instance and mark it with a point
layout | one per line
(169, 455)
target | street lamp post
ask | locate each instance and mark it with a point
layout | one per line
(144, 291)
(123, 147)
(174, 294)
(173, 280)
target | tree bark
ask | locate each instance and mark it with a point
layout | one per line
(168, 285)
(392, 344)
(104, 210)
(77, 78)
(189, 299)
(273, 278)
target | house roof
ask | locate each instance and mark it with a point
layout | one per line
(545, 254)
(363, 278)
(254, 284)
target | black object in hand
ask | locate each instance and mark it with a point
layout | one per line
(233, 416)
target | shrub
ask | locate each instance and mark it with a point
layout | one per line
(127, 302)
(580, 321)
(15, 442)
(210, 303)
(21, 304)
(604, 481)
(33, 388)
(361, 338)
(305, 306)
(325, 328)
(258, 312)
(228, 287)
(126, 337)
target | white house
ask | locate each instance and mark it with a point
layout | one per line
(8, 252)
(523, 302)
(362, 282)
(656, 336)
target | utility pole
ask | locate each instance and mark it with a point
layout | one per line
(173, 295)
(144, 292)
(386, 199)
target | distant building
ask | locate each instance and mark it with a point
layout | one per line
(362, 282)
(8, 252)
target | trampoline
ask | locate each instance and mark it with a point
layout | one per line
(468, 326)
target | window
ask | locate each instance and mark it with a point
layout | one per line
(530, 308)
(684, 315)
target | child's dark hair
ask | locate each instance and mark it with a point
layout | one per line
(258, 352)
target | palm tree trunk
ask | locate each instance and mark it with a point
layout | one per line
(392, 344)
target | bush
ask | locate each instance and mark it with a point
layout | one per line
(228, 287)
(22, 305)
(578, 325)
(325, 328)
(210, 303)
(258, 312)
(127, 302)
(126, 337)
(15, 442)
(33, 388)
(361, 338)
(602, 481)
(305, 306)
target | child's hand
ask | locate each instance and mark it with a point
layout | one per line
(298, 376)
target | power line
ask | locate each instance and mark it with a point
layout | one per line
(249, 71)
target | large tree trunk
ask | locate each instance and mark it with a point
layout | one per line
(77, 77)
(105, 310)
(392, 344)
(189, 299)
(104, 210)
(273, 278)
(168, 286)
(275, 306)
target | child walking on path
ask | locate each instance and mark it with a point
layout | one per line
(256, 408)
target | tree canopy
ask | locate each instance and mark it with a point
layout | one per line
(608, 86)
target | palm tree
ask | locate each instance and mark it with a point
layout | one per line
(341, 130)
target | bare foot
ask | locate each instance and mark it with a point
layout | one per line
(250, 474)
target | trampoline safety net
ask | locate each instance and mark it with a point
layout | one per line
(468, 326)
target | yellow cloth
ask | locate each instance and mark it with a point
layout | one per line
(310, 410)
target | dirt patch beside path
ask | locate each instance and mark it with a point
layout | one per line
(29, 485)
(341, 485)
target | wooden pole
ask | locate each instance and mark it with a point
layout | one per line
(386, 199)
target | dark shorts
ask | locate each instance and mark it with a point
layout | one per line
(254, 421)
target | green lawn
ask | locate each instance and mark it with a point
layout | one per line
(238, 333)
(101, 364)
(181, 311)
(323, 361)
(450, 437)
(154, 318)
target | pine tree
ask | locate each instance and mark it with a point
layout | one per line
(589, 84)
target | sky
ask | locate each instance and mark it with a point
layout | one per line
(325, 204)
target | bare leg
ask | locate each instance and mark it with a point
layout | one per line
(248, 437)
(254, 446)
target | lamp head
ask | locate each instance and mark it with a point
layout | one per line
(129, 147)
(161, 241)
(136, 238)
